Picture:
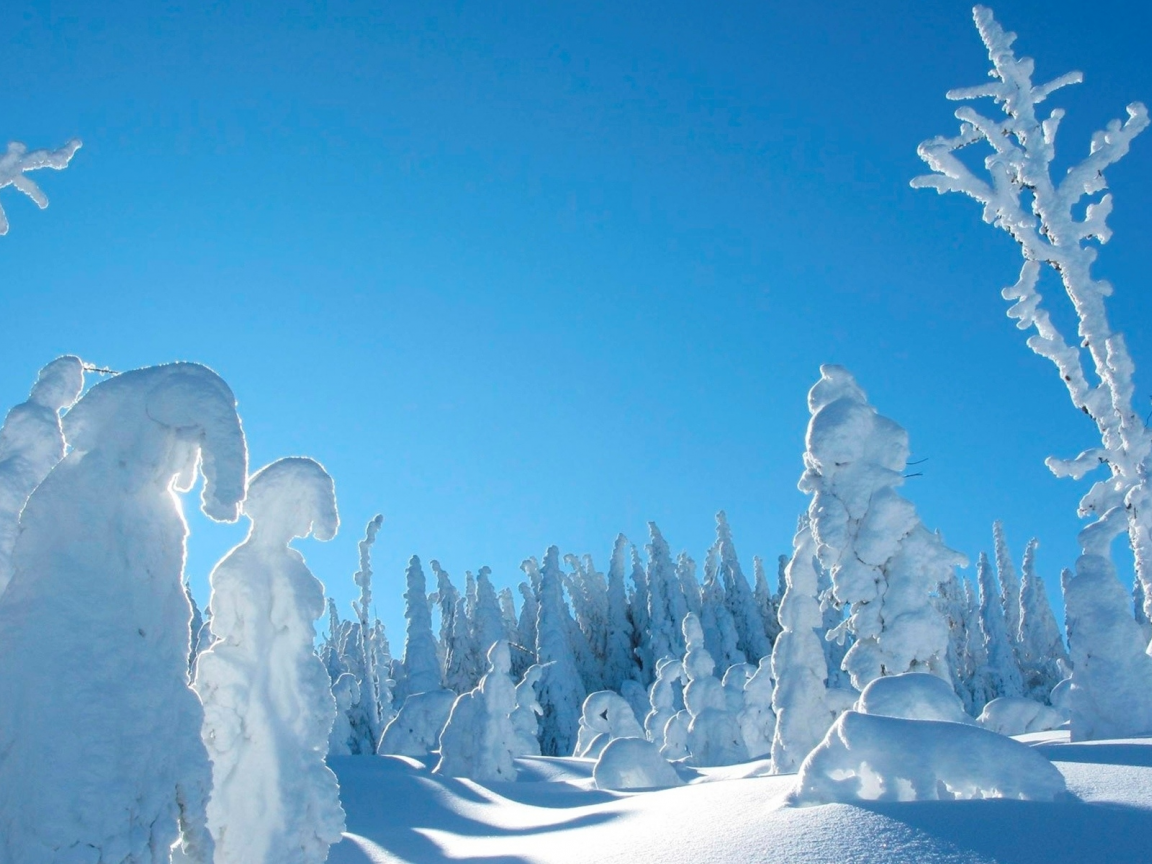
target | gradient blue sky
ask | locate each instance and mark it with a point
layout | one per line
(523, 274)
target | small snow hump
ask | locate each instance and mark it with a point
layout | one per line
(868, 757)
(913, 696)
(632, 764)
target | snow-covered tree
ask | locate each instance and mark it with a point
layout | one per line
(1053, 220)
(757, 719)
(1001, 674)
(119, 773)
(421, 663)
(31, 443)
(720, 634)
(488, 626)
(641, 626)
(619, 662)
(664, 638)
(799, 700)
(525, 717)
(714, 736)
(268, 706)
(767, 603)
(479, 739)
(342, 738)
(1043, 659)
(952, 602)
(17, 162)
(751, 638)
(561, 691)
(373, 681)
(1009, 583)
(885, 565)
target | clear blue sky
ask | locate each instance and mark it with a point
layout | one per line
(523, 274)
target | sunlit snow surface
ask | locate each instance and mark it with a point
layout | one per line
(399, 812)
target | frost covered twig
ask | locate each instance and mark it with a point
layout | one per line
(18, 161)
(1020, 196)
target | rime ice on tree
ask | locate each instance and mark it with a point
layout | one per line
(121, 767)
(1045, 216)
(31, 443)
(268, 709)
(17, 162)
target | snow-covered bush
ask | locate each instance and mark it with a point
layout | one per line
(479, 739)
(268, 709)
(605, 713)
(1052, 222)
(1017, 715)
(31, 443)
(912, 696)
(662, 698)
(629, 764)
(17, 162)
(96, 606)
(872, 758)
(415, 730)
(885, 565)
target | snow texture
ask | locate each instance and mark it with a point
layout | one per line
(1017, 715)
(17, 162)
(912, 696)
(119, 773)
(632, 764)
(872, 758)
(31, 443)
(479, 739)
(268, 707)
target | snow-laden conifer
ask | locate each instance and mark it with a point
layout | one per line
(488, 628)
(561, 691)
(799, 700)
(689, 587)
(757, 719)
(714, 736)
(1001, 674)
(1043, 658)
(664, 638)
(525, 717)
(268, 707)
(752, 640)
(641, 625)
(767, 603)
(421, 663)
(1009, 583)
(1053, 220)
(346, 694)
(107, 761)
(17, 162)
(479, 739)
(720, 634)
(620, 664)
(31, 443)
(885, 565)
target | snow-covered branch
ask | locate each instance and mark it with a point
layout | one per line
(1020, 196)
(17, 162)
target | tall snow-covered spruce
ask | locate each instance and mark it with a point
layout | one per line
(1052, 220)
(120, 773)
(268, 708)
(885, 565)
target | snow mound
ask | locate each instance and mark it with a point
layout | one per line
(633, 763)
(913, 696)
(1017, 715)
(872, 758)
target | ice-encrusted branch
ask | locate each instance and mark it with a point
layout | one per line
(17, 162)
(1020, 196)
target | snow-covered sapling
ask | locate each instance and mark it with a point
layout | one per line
(97, 591)
(479, 740)
(714, 736)
(17, 162)
(525, 717)
(268, 707)
(31, 443)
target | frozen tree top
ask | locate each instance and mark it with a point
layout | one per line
(188, 399)
(292, 497)
(17, 162)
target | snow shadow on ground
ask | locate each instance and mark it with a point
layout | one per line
(1104, 753)
(1022, 832)
(420, 813)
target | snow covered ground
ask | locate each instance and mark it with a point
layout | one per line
(398, 811)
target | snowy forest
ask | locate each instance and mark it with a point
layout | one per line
(870, 662)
